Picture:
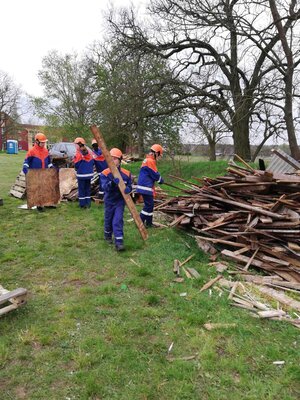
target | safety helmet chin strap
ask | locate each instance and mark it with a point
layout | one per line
(155, 153)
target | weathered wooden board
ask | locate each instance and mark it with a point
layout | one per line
(42, 187)
(11, 300)
(67, 181)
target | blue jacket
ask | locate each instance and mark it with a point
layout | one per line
(148, 176)
(111, 190)
(99, 160)
(84, 164)
(37, 157)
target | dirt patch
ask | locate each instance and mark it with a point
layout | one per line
(21, 392)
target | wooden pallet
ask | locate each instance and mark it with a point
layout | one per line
(11, 300)
(19, 187)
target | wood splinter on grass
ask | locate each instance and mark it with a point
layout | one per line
(176, 267)
(210, 326)
(186, 358)
(210, 283)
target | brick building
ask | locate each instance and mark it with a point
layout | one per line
(23, 133)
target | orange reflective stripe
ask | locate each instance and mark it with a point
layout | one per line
(106, 172)
(125, 171)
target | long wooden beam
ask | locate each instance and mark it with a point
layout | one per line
(114, 170)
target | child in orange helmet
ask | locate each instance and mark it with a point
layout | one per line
(84, 167)
(114, 202)
(38, 157)
(100, 164)
(146, 180)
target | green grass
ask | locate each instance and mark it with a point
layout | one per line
(98, 324)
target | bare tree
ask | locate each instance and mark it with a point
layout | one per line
(210, 128)
(221, 51)
(288, 71)
(132, 102)
(9, 98)
(69, 93)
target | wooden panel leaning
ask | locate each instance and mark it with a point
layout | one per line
(42, 187)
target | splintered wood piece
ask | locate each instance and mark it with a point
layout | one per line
(187, 260)
(210, 283)
(280, 296)
(13, 294)
(205, 246)
(232, 291)
(188, 275)
(195, 274)
(14, 298)
(271, 313)
(245, 163)
(251, 259)
(176, 267)
(177, 220)
(178, 280)
(210, 326)
(185, 358)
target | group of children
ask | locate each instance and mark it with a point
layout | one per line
(114, 203)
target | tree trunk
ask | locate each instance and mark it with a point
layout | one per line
(258, 149)
(288, 116)
(288, 78)
(140, 144)
(212, 150)
(241, 141)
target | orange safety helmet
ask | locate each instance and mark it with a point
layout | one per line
(157, 148)
(94, 141)
(40, 137)
(116, 153)
(79, 140)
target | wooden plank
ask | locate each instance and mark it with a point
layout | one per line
(19, 195)
(241, 258)
(288, 159)
(271, 313)
(42, 187)
(187, 260)
(176, 267)
(245, 163)
(114, 170)
(12, 294)
(193, 272)
(246, 207)
(6, 309)
(210, 283)
(279, 296)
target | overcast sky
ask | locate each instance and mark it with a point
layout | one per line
(29, 29)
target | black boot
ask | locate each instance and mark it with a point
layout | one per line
(108, 239)
(120, 247)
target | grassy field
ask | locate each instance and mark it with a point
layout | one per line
(98, 324)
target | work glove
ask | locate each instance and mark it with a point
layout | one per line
(25, 170)
(161, 181)
(115, 182)
(127, 190)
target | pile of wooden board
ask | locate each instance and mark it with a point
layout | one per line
(251, 216)
(67, 185)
